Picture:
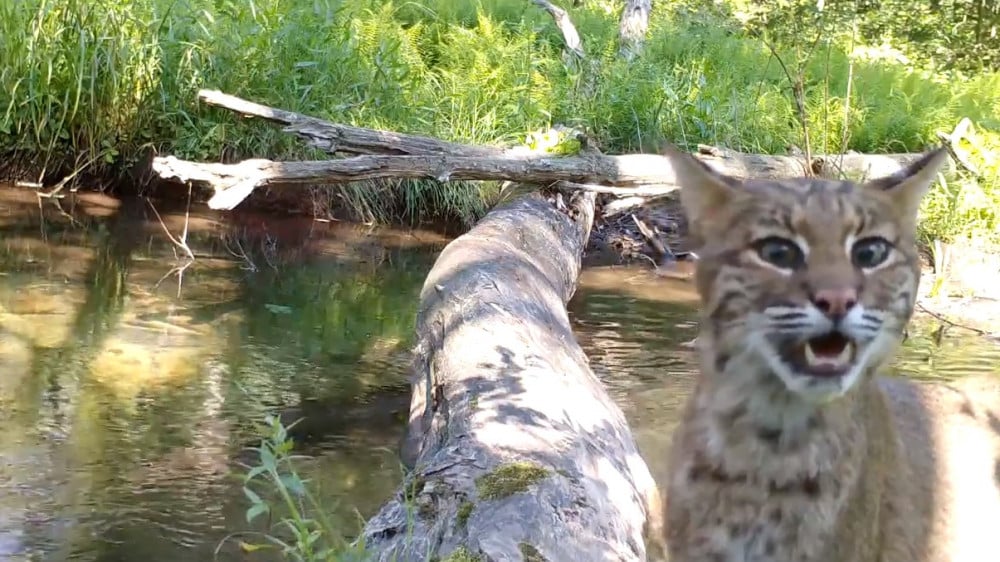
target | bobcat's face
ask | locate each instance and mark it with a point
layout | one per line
(811, 281)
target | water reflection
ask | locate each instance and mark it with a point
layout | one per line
(126, 393)
(126, 396)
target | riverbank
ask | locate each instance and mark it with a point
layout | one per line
(123, 76)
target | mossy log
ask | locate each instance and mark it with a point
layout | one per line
(515, 448)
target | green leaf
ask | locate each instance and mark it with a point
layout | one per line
(252, 496)
(255, 472)
(255, 510)
(294, 484)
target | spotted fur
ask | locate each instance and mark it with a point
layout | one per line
(772, 464)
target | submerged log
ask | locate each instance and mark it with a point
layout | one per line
(387, 154)
(517, 451)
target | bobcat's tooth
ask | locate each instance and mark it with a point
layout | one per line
(842, 359)
(845, 354)
(811, 358)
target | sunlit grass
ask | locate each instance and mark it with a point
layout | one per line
(102, 83)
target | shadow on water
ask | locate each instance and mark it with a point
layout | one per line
(126, 396)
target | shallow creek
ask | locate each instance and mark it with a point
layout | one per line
(127, 388)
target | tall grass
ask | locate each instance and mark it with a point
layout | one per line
(102, 83)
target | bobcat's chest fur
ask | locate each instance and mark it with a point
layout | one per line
(745, 493)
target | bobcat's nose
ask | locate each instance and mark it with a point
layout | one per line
(835, 303)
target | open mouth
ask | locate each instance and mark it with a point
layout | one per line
(829, 355)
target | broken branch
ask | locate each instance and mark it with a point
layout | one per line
(570, 36)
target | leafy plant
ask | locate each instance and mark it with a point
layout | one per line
(297, 525)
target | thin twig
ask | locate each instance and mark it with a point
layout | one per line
(646, 191)
(182, 244)
(847, 97)
(798, 94)
(63, 182)
(658, 246)
(952, 322)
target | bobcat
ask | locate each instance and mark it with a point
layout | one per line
(791, 448)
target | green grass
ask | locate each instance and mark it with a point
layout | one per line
(103, 83)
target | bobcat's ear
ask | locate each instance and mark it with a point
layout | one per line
(907, 187)
(703, 191)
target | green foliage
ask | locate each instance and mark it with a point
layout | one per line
(298, 525)
(102, 83)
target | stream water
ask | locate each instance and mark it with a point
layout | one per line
(128, 386)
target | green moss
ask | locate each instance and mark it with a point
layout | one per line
(530, 553)
(464, 511)
(462, 554)
(509, 479)
(417, 484)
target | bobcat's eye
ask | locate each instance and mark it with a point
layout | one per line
(780, 252)
(870, 252)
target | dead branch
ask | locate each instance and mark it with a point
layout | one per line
(570, 36)
(338, 138)
(953, 141)
(234, 182)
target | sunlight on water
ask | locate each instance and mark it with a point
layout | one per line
(125, 399)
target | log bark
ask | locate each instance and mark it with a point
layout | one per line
(518, 452)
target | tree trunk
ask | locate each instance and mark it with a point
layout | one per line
(517, 451)
(632, 27)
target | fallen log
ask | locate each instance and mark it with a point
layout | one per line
(387, 154)
(517, 451)
(647, 173)
(235, 182)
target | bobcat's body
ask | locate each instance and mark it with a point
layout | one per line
(792, 449)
